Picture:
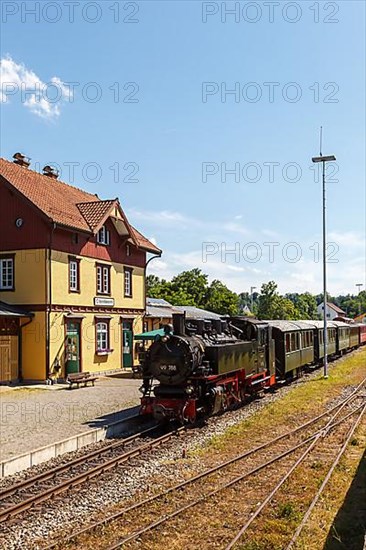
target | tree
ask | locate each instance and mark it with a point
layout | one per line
(273, 306)
(152, 284)
(305, 304)
(194, 283)
(221, 300)
(246, 299)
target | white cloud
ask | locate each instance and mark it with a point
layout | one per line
(42, 99)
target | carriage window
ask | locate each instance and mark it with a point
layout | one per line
(293, 341)
(321, 334)
(297, 340)
(288, 343)
(311, 338)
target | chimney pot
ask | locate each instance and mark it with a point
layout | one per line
(21, 160)
(50, 171)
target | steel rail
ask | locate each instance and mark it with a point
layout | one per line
(280, 483)
(203, 498)
(16, 509)
(325, 481)
(50, 474)
(119, 514)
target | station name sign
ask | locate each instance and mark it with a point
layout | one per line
(106, 302)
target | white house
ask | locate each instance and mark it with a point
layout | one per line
(333, 311)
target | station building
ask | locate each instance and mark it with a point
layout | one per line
(72, 278)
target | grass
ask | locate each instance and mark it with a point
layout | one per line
(208, 527)
(301, 402)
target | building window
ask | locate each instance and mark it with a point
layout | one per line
(74, 275)
(128, 250)
(102, 336)
(103, 279)
(128, 283)
(103, 236)
(7, 272)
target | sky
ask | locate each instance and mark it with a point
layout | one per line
(202, 117)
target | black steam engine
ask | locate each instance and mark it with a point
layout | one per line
(203, 367)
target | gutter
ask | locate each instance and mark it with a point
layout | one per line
(145, 286)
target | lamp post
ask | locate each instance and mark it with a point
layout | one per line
(359, 285)
(324, 159)
(251, 300)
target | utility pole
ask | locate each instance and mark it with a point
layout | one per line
(324, 159)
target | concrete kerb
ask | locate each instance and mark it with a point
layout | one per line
(73, 443)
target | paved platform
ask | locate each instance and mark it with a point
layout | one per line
(36, 416)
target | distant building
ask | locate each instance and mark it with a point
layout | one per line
(360, 318)
(333, 311)
(159, 312)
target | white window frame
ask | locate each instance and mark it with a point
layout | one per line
(128, 283)
(7, 274)
(102, 334)
(74, 275)
(103, 236)
(103, 279)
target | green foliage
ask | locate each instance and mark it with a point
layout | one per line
(273, 306)
(192, 288)
(220, 299)
(305, 304)
(194, 284)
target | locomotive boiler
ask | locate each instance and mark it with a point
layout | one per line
(203, 367)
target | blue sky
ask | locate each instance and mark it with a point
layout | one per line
(148, 120)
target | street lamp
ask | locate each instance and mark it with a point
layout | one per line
(324, 159)
(251, 293)
(359, 290)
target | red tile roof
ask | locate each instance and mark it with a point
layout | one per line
(94, 211)
(62, 203)
(335, 308)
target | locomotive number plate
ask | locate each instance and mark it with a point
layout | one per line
(168, 368)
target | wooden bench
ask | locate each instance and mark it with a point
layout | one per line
(80, 378)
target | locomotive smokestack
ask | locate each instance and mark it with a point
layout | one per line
(179, 324)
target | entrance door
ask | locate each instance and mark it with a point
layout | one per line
(127, 343)
(8, 358)
(72, 348)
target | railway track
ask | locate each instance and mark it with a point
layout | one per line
(141, 518)
(35, 490)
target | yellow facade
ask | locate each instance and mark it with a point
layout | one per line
(90, 361)
(34, 283)
(30, 276)
(60, 283)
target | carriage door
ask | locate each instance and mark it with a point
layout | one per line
(127, 344)
(72, 348)
(262, 341)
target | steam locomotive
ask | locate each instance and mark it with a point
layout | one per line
(202, 367)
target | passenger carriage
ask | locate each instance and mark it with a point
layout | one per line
(294, 346)
(319, 338)
(343, 337)
(354, 336)
(362, 334)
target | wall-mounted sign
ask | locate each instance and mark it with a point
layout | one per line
(109, 302)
